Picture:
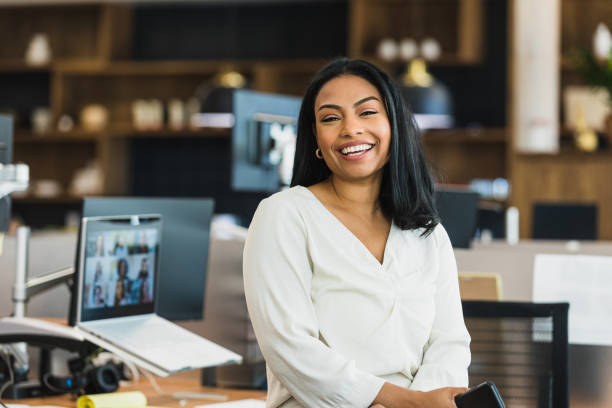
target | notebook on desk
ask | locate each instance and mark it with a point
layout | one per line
(116, 279)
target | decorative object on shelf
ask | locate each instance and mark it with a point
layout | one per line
(41, 120)
(602, 42)
(147, 114)
(94, 117)
(65, 123)
(39, 50)
(431, 49)
(216, 95)
(585, 137)
(88, 180)
(46, 188)
(408, 49)
(594, 104)
(215, 100)
(176, 114)
(387, 49)
(596, 68)
(429, 99)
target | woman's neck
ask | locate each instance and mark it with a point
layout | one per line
(356, 196)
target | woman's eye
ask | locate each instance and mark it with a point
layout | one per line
(329, 119)
(370, 112)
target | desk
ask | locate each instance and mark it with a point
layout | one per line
(182, 382)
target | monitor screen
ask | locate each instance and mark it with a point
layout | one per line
(184, 253)
(263, 140)
(6, 157)
(458, 211)
(118, 266)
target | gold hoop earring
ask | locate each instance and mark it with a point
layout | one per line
(318, 154)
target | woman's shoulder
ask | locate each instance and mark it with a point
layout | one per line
(281, 213)
(286, 200)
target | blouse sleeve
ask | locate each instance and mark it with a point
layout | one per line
(277, 279)
(447, 353)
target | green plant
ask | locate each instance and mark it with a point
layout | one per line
(596, 73)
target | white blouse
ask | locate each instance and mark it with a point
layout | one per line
(333, 323)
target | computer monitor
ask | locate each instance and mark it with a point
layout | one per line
(554, 220)
(458, 210)
(263, 140)
(6, 157)
(184, 255)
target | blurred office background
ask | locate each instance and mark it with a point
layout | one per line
(107, 100)
(96, 89)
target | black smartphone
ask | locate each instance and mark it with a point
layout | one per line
(484, 395)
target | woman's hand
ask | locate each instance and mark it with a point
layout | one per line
(440, 398)
(393, 396)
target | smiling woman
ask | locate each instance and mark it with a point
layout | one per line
(350, 281)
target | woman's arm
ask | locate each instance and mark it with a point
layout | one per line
(277, 278)
(392, 396)
(447, 353)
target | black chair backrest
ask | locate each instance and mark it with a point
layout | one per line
(522, 348)
(564, 221)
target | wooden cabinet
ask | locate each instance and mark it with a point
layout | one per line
(97, 60)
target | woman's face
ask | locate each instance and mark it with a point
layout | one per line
(352, 128)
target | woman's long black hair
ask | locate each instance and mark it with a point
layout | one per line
(407, 189)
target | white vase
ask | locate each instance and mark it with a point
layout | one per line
(39, 50)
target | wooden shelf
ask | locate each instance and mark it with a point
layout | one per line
(47, 200)
(27, 137)
(465, 135)
(20, 66)
(445, 60)
(182, 67)
(121, 132)
(129, 133)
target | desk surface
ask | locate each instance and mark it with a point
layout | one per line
(182, 382)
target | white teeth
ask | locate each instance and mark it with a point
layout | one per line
(356, 149)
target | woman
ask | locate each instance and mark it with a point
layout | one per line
(122, 284)
(350, 281)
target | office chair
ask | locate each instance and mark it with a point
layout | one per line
(522, 348)
(564, 221)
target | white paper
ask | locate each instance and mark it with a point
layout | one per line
(586, 283)
(247, 403)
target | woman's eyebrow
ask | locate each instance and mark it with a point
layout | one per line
(329, 105)
(369, 98)
(359, 102)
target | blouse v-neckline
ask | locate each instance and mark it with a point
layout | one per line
(355, 237)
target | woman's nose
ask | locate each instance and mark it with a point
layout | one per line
(352, 127)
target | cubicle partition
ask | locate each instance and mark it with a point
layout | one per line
(523, 348)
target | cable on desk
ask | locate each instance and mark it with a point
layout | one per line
(7, 361)
(151, 379)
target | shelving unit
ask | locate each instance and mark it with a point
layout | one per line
(570, 175)
(95, 62)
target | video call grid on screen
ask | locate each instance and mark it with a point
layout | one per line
(119, 266)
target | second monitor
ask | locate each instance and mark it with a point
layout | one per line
(184, 256)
